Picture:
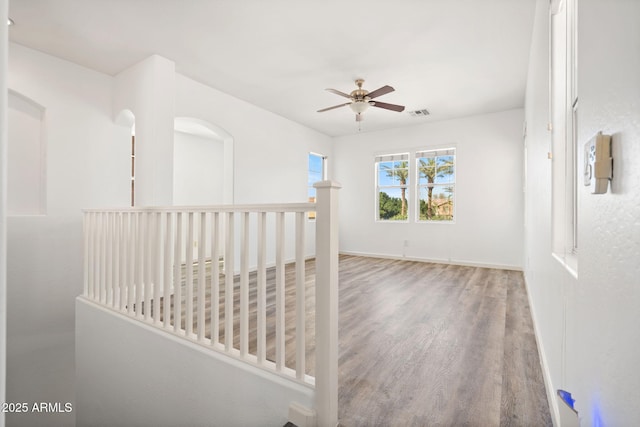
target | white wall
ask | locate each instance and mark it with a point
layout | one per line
(198, 170)
(586, 327)
(4, 6)
(132, 374)
(547, 280)
(270, 151)
(27, 151)
(489, 201)
(86, 167)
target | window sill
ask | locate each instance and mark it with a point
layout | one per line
(569, 262)
(436, 222)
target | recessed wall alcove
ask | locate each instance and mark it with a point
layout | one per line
(202, 163)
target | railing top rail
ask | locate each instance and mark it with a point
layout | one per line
(281, 207)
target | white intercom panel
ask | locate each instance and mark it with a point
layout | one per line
(598, 163)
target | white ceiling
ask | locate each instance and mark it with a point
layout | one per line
(453, 57)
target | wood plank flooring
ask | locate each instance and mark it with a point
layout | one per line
(422, 344)
(432, 344)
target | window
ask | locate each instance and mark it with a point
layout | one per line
(392, 181)
(563, 125)
(317, 172)
(435, 171)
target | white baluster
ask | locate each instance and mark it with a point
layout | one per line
(244, 286)
(112, 261)
(132, 264)
(261, 288)
(108, 284)
(88, 254)
(116, 260)
(140, 262)
(168, 240)
(189, 282)
(124, 255)
(300, 297)
(122, 262)
(228, 283)
(202, 249)
(148, 264)
(103, 258)
(215, 278)
(97, 225)
(280, 293)
(177, 275)
(157, 276)
(97, 257)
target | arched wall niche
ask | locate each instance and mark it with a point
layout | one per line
(203, 163)
(27, 155)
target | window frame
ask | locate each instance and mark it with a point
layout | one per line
(311, 216)
(419, 155)
(386, 158)
(563, 111)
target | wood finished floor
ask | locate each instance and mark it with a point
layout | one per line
(423, 344)
(436, 345)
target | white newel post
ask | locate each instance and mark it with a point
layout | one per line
(327, 303)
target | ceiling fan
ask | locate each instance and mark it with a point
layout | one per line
(360, 99)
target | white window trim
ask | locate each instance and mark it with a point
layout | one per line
(418, 186)
(563, 117)
(325, 170)
(376, 213)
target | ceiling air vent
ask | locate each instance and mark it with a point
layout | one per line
(419, 113)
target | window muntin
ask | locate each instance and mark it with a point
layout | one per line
(435, 171)
(317, 166)
(392, 184)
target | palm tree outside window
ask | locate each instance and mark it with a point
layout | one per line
(392, 179)
(436, 184)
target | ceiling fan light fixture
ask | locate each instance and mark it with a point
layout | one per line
(359, 106)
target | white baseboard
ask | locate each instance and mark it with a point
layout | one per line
(435, 260)
(546, 374)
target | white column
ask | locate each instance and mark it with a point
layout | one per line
(327, 303)
(148, 90)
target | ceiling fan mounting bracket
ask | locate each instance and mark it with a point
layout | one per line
(359, 94)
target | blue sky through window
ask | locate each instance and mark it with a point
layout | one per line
(385, 177)
(315, 173)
